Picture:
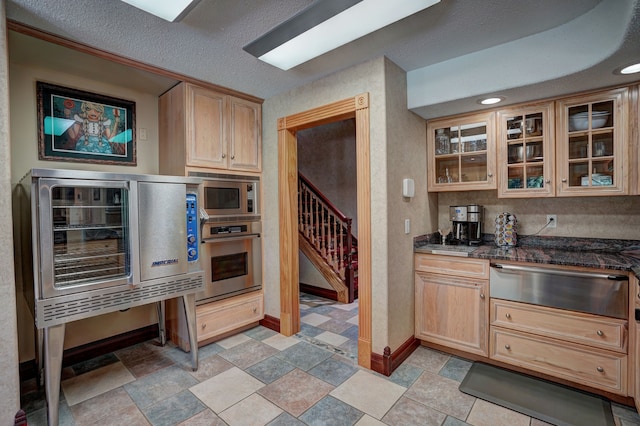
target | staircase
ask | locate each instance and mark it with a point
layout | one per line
(324, 235)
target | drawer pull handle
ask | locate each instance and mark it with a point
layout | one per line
(224, 155)
(508, 316)
(600, 369)
(204, 326)
(600, 333)
(507, 347)
(481, 295)
(255, 310)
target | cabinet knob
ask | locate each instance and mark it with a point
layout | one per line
(564, 180)
(508, 316)
(204, 326)
(507, 347)
(481, 295)
(233, 157)
(600, 369)
(490, 174)
(224, 155)
(255, 310)
(547, 181)
(600, 333)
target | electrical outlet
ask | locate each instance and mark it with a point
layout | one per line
(552, 220)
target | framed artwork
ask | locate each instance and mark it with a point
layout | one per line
(79, 126)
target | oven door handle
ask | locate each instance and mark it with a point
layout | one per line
(230, 238)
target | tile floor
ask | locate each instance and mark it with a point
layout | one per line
(259, 377)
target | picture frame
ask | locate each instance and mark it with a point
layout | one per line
(80, 126)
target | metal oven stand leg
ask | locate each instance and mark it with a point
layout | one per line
(53, 348)
(161, 322)
(189, 301)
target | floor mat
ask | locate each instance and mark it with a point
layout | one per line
(541, 399)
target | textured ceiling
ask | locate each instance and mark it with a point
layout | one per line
(521, 48)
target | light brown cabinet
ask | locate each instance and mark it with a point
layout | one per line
(583, 348)
(452, 310)
(461, 153)
(203, 129)
(216, 320)
(592, 144)
(526, 160)
(566, 147)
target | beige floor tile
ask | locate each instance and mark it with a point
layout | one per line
(314, 319)
(353, 320)
(204, 418)
(119, 417)
(346, 306)
(209, 367)
(296, 391)
(280, 342)
(442, 394)
(331, 338)
(304, 307)
(409, 412)
(367, 420)
(101, 406)
(232, 341)
(428, 359)
(227, 388)
(96, 382)
(485, 413)
(254, 410)
(369, 393)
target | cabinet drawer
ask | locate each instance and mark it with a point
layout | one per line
(217, 318)
(452, 265)
(589, 366)
(587, 329)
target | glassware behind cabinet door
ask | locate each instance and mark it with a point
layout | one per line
(443, 145)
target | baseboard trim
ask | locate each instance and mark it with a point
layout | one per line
(319, 291)
(386, 363)
(271, 323)
(91, 350)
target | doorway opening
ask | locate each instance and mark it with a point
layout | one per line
(356, 108)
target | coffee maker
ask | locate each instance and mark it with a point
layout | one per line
(467, 224)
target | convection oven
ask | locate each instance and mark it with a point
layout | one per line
(103, 242)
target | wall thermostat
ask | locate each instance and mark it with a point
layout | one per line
(408, 188)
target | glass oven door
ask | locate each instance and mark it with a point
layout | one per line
(84, 235)
(233, 266)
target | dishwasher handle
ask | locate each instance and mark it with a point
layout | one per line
(612, 277)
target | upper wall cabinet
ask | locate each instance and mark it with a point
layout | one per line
(592, 144)
(202, 129)
(526, 151)
(461, 153)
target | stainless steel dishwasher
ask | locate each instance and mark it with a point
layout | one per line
(594, 293)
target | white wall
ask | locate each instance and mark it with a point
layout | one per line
(391, 157)
(24, 156)
(9, 377)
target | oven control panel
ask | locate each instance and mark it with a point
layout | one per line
(192, 228)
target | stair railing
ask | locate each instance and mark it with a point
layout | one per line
(327, 229)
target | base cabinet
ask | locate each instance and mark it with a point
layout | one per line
(452, 310)
(216, 320)
(592, 367)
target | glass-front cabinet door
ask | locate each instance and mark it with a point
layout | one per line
(592, 144)
(461, 153)
(525, 151)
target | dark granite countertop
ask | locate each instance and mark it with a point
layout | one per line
(622, 255)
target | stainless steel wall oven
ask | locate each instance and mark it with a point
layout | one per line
(103, 242)
(232, 257)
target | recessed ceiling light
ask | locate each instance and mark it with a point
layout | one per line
(631, 69)
(168, 10)
(491, 101)
(326, 25)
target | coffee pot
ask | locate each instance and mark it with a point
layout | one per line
(467, 224)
